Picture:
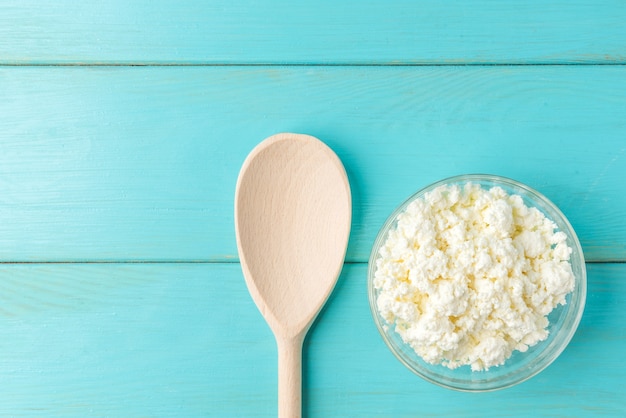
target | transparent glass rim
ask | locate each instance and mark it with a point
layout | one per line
(547, 353)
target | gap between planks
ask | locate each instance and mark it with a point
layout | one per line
(287, 64)
(208, 262)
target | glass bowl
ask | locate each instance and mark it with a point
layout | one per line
(563, 320)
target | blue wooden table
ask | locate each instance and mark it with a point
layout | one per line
(123, 126)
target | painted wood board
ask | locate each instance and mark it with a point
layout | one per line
(140, 163)
(320, 32)
(171, 340)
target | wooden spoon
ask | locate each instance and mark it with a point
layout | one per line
(293, 210)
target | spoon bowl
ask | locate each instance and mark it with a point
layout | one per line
(292, 219)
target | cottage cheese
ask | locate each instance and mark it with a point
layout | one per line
(469, 275)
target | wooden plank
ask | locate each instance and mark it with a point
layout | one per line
(141, 163)
(171, 340)
(281, 31)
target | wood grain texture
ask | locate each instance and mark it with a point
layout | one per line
(293, 212)
(101, 161)
(172, 340)
(140, 163)
(281, 31)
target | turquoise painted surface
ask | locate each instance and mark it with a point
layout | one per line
(186, 340)
(122, 129)
(110, 164)
(306, 32)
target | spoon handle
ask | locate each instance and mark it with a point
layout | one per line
(289, 377)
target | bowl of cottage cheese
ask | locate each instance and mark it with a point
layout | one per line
(477, 282)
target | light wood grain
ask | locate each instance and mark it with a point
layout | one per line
(166, 340)
(324, 31)
(293, 212)
(106, 164)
